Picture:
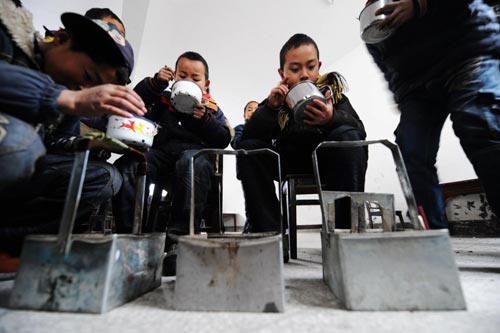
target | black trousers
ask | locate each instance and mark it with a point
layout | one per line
(341, 169)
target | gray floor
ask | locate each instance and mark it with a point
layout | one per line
(310, 306)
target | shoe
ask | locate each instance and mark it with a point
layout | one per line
(247, 228)
(8, 264)
(170, 261)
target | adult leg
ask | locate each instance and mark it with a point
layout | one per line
(474, 103)
(418, 135)
(257, 173)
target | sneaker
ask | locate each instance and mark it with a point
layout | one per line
(170, 261)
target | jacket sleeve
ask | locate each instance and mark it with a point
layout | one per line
(238, 131)
(215, 132)
(344, 114)
(28, 94)
(150, 90)
(263, 125)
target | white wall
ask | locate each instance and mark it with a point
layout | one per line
(241, 42)
(48, 12)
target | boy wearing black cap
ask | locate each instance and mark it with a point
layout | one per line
(39, 82)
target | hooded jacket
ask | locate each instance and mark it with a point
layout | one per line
(25, 92)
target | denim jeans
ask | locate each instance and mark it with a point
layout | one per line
(470, 94)
(20, 148)
(37, 206)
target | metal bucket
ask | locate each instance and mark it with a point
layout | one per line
(87, 273)
(230, 272)
(99, 273)
(388, 269)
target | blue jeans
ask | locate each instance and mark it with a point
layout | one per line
(470, 94)
(20, 148)
(37, 206)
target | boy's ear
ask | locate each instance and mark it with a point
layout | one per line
(280, 72)
(319, 64)
(61, 37)
(207, 84)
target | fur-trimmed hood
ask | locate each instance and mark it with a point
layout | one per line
(19, 23)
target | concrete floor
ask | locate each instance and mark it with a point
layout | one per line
(310, 306)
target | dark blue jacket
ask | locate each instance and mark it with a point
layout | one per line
(25, 92)
(180, 131)
(450, 32)
(238, 131)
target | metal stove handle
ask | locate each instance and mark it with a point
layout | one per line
(400, 169)
(219, 152)
(73, 197)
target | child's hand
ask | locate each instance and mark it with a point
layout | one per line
(200, 112)
(100, 100)
(320, 113)
(278, 93)
(165, 74)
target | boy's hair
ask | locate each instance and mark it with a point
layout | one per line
(100, 13)
(245, 108)
(194, 56)
(294, 42)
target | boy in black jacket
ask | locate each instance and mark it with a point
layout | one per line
(180, 136)
(273, 126)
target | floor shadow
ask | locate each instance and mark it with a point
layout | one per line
(162, 297)
(495, 270)
(5, 291)
(310, 292)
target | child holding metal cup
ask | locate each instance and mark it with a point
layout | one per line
(273, 125)
(187, 125)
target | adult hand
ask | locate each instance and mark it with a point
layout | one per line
(320, 113)
(398, 13)
(101, 100)
(165, 74)
(278, 93)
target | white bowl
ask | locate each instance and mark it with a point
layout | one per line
(136, 131)
(185, 95)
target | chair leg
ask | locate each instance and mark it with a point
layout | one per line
(292, 218)
(286, 228)
(153, 208)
